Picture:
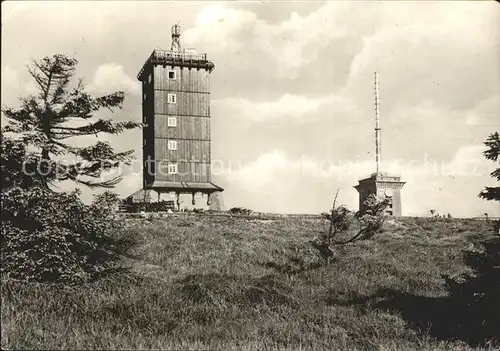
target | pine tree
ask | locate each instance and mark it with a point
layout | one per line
(44, 123)
(492, 154)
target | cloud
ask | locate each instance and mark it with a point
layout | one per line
(486, 113)
(15, 85)
(262, 171)
(111, 77)
(287, 106)
(389, 33)
(288, 45)
(418, 59)
(220, 28)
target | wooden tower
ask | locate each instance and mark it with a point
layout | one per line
(378, 183)
(176, 117)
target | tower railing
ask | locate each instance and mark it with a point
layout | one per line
(185, 55)
(159, 56)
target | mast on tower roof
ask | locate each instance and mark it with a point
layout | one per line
(176, 35)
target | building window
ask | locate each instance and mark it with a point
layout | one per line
(172, 121)
(172, 98)
(172, 168)
(171, 75)
(144, 97)
(172, 144)
(150, 78)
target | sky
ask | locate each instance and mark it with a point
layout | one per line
(292, 96)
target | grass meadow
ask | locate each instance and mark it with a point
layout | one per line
(219, 282)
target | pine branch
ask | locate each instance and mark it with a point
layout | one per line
(100, 126)
(47, 91)
(490, 193)
(108, 184)
(41, 82)
(493, 144)
(41, 122)
(40, 68)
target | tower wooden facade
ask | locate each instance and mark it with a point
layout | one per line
(176, 118)
(380, 184)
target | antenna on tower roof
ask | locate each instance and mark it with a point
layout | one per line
(176, 34)
(377, 124)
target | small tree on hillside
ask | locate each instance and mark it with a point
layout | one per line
(372, 218)
(367, 223)
(46, 122)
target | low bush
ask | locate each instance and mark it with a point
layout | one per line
(365, 224)
(48, 236)
(240, 211)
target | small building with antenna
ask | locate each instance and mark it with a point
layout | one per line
(176, 119)
(380, 184)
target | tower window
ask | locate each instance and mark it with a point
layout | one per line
(144, 96)
(172, 98)
(172, 121)
(172, 168)
(171, 75)
(150, 78)
(172, 144)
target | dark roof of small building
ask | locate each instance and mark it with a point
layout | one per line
(139, 195)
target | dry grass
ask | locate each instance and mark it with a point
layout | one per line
(201, 282)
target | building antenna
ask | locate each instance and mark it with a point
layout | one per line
(176, 35)
(377, 124)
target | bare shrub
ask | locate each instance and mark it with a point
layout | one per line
(366, 224)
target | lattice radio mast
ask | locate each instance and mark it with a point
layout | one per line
(377, 125)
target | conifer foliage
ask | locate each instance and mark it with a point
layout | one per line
(49, 119)
(492, 153)
(49, 236)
